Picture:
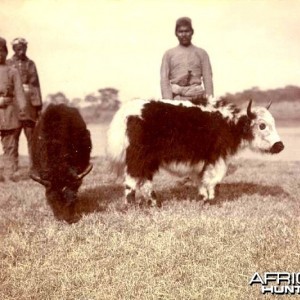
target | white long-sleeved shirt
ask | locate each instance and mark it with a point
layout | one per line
(178, 61)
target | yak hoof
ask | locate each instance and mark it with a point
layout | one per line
(210, 202)
(154, 203)
(130, 197)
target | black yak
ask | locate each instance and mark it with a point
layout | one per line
(186, 139)
(61, 148)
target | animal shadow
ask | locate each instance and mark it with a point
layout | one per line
(224, 192)
(89, 201)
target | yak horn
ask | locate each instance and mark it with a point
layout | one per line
(268, 106)
(85, 172)
(250, 114)
(38, 179)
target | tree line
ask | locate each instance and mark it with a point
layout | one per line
(289, 93)
(100, 107)
(106, 99)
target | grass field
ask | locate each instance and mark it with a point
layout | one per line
(185, 250)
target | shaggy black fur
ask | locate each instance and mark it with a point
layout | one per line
(168, 133)
(61, 148)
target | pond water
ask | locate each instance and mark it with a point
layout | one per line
(289, 135)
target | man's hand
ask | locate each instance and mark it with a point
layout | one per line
(22, 115)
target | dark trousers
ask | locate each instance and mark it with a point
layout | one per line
(9, 142)
(28, 127)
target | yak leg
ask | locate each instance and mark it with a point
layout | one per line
(131, 184)
(212, 175)
(149, 194)
(140, 171)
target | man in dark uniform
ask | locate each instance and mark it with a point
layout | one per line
(31, 87)
(12, 106)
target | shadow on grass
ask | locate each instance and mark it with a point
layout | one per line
(90, 200)
(224, 192)
(98, 199)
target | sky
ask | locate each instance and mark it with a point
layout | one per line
(80, 46)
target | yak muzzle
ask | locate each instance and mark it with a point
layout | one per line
(277, 147)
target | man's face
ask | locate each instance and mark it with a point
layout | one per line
(20, 51)
(3, 54)
(184, 35)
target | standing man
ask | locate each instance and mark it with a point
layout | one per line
(186, 71)
(31, 87)
(12, 106)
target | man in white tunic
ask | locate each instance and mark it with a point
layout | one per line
(186, 71)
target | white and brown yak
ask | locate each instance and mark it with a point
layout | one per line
(186, 139)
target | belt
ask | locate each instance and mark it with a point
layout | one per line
(187, 91)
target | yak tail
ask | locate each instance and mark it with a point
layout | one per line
(117, 138)
(117, 142)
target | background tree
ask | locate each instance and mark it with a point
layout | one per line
(75, 102)
(92, 99)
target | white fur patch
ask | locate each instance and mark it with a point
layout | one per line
(146, 189)
(227, 111)
(117, 140)
(183, 169)
(212, 175)
(186, 103)
(131, 182)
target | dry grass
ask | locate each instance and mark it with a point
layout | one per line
(182, 251)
